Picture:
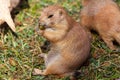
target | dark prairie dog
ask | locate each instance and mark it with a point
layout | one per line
(70, 45)
(104, 17)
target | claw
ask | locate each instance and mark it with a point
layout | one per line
(37, 72)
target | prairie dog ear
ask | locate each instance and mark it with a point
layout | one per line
(60, 12)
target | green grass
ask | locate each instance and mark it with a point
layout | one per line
(19, 55)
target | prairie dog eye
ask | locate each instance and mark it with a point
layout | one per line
(50, 16)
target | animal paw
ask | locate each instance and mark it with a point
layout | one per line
(42, 55)
(37, 72)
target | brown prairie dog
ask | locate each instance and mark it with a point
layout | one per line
(104, 17)
(70, 43)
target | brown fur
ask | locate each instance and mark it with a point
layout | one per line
(70, 43)
(104, 17)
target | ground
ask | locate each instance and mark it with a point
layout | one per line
(19, 54)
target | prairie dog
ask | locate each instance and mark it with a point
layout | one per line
(70, 45)
(102, 16)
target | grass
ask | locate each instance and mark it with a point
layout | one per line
(19, 55)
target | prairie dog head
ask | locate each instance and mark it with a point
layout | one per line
(53, 17)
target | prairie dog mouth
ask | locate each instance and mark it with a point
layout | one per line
(44, 25)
